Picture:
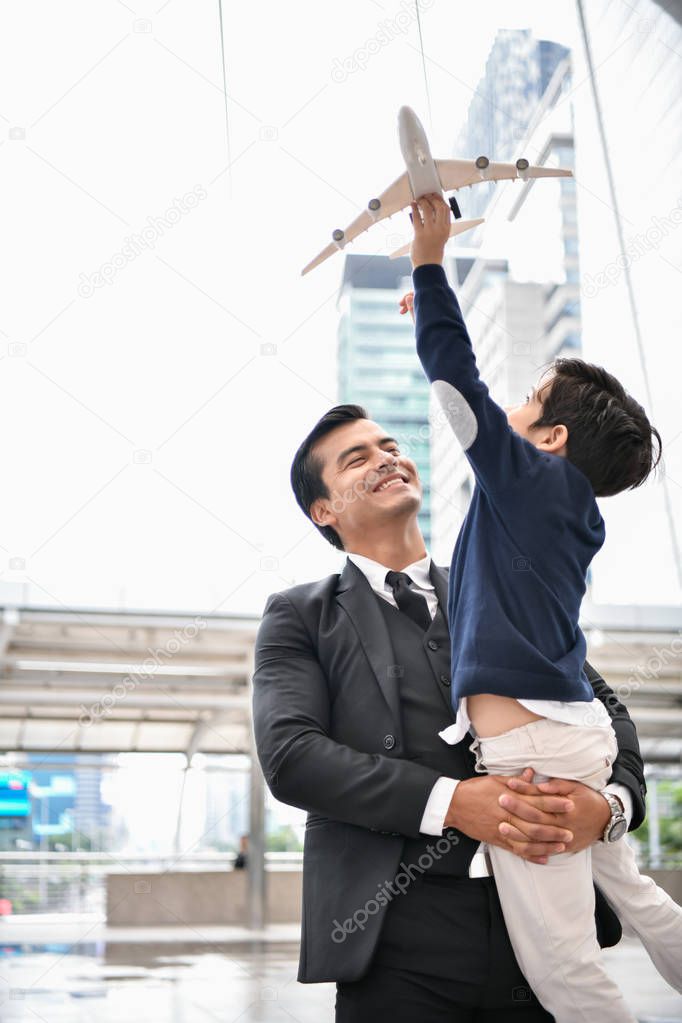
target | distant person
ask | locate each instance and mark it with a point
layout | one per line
(517, 580)
(241, 860)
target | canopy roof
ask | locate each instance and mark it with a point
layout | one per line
(83, 680)
(106, 681)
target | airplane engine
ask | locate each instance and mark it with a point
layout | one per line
(482, 165)
(339, 238)
(373, 208)
(522, 166)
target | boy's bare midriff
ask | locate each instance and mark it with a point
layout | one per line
(492, 715)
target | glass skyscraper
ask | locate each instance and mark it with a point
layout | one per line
(517, 73)
(521, 299)
(378, 364)
(631, 313)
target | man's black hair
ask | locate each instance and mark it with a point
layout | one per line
(306, 468)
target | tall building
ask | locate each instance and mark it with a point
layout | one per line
(517, 72)
(500, 314)
(378, 364)
(91, 815)
(631, 313)
(543, 217)
(67, 800)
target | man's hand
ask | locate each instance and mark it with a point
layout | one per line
(407, 304)
(587, 819)
(537, 825)
(431, 223)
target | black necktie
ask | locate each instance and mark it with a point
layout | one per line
(411, 603)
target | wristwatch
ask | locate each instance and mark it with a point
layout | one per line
(617, 825)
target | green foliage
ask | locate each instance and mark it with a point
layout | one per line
(284, 839)
(670, 822)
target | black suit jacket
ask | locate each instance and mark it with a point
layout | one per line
(323, 703)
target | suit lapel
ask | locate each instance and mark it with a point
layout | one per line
(359, 601)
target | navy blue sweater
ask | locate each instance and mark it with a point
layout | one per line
(533, 526)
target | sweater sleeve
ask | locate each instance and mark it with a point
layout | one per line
(498, 455)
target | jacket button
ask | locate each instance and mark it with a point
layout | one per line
(445, 680)
(389, 742)
(432, 645)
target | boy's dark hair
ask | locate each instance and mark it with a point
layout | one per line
(306, 468)
(610, 438)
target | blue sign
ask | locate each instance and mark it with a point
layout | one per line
(15, 800)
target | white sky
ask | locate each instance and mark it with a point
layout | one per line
(121, 110)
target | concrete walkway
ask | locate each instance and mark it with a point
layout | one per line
(78, 971)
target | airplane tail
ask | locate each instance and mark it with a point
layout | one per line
(457, 228)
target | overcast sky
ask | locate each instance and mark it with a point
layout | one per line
(147, 432)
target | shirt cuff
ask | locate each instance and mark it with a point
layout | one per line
(438, 803)
(428, 275)
(615, 789)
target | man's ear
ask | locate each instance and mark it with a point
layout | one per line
(321, 514)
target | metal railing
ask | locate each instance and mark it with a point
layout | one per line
(64, 882)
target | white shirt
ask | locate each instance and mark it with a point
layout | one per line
(572, 712)
(438, 803)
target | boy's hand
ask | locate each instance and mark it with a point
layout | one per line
(431, 223)
(407, 304)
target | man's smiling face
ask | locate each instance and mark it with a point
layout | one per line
(368, 479)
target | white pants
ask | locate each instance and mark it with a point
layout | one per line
(549, 908)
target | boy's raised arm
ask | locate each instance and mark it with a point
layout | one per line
(497, 454)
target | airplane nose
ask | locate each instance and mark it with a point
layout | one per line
(410, 131)
(406, 116)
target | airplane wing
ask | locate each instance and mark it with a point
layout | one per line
(456, 174)
(396, 197)
(546, 172)
(458, 227)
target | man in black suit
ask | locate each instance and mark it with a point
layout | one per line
(350, 690)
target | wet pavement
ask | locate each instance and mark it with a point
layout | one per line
(226, 981)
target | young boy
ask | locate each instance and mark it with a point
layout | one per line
(516, 584)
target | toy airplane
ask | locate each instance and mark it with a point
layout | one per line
(425, 175)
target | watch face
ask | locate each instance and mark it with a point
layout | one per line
(617, 830)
